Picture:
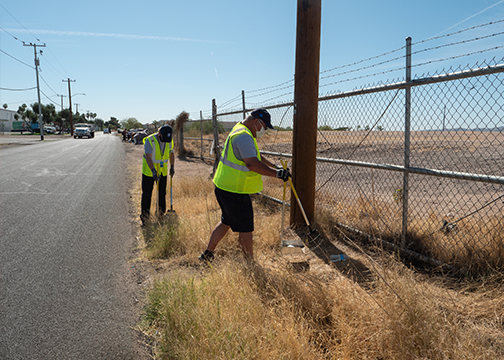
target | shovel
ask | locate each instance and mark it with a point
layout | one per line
(158, 213)
(283, 212)
(314, 238)
(171, 195)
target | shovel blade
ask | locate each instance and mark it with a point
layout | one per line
(314, 239)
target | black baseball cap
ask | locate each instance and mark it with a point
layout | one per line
(166, 132)
(262, 114)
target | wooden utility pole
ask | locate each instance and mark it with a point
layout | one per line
(70, 103)
(304, 148)
(37, 63)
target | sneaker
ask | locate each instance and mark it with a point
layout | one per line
(206, 256)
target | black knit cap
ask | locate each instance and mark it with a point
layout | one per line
(262, 114)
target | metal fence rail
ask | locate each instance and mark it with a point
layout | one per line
(418, 163)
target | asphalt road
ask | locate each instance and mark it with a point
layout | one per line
(66, 286)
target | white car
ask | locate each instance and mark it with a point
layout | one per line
(50, 130)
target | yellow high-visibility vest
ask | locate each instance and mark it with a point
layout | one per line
(232, 174)
(160, 160)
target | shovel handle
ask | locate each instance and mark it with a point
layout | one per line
(284, 165)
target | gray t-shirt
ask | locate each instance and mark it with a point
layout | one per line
(243, 146)
(148, 149)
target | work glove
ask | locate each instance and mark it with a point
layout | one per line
(283, 174)
(172, 171)
(155, 175)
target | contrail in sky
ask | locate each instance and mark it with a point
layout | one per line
(470, 17)
(118, 36)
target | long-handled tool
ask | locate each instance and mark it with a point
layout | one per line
(283, 211)
(158, 213)
(314, 238)
(171, 195)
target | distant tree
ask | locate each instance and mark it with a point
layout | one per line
(49, 115)
(27, 116)
(367, 128)
(90, 117)
(325, 128)
(113, 123)
(5, 106)
(63, 119)
(99, 122)
(379, 128)
(131, 123)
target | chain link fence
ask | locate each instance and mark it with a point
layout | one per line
(416, 164)
(448, 203)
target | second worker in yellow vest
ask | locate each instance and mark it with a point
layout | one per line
(158, 150)
(238, 175)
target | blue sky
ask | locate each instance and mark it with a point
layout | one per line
(153, 59)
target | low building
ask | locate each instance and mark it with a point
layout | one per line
(7, 121)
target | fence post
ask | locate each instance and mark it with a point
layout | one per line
(407, 143)
(181, 139)
(216, 136)
(243, 104)
(201, 133)
(306, 88)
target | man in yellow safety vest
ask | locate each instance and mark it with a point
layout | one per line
(238, 175)
(158, 149)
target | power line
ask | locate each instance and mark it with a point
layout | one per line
(48, 85)
(47, 97)
(20, 23)
(55, 58)
(16, 59)
(15, 38)
(18, 89)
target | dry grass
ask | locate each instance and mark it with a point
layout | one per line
(233, 310)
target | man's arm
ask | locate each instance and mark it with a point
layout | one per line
(267, 162)
(148, 158)
(253, 164)
(172, 158)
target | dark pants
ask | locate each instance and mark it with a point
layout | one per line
(147, 187)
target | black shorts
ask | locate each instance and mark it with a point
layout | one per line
(236, 209)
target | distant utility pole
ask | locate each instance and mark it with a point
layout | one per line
(62, 102)
(70, 102)
(37, 62)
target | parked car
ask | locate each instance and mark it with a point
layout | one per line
(50, 130)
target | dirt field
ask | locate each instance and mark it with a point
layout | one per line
(452, 151)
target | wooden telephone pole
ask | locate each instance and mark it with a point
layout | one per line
(304, 148)
(70, 103)
(37, 63)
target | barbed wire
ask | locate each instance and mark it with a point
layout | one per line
(458, 56)
(413, 53)
(459, 32)
(226, 103)
(270, 87)
(265, 102)
(363, 76)
(268, 92)
(457, 43)
(281, 86)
